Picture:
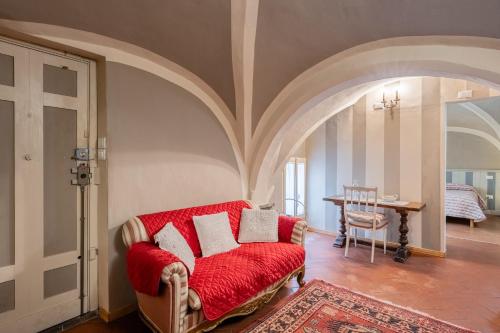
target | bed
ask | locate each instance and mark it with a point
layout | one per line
(464, 201)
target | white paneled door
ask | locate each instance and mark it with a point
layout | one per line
(47, 229)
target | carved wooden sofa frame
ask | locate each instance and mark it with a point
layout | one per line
(175, 310)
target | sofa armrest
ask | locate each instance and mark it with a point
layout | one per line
(134, 232)
(291, 230)
(147, 264)
(164, 307)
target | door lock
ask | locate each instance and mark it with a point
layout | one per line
(83, 175)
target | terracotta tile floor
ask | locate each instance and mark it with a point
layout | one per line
(486, 231)
(463, 289)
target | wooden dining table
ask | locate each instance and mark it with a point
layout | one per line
(401, 207)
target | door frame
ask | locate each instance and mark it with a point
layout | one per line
(32, 320)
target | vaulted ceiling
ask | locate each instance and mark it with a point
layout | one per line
(264, 66)
(291, 35)
(479, 117)
(193, 34)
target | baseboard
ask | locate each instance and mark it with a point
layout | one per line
(391, 246)
(323, 232)
(115, 314)
(420, 251)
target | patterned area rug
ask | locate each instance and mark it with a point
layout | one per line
(322, 307)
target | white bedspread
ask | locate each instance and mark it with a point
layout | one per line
(465, 202)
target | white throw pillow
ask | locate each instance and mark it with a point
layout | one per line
(171, 240)
(214, 233)
(258, 225)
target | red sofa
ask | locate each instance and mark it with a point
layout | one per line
(222, 286)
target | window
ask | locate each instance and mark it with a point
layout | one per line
(295, 187)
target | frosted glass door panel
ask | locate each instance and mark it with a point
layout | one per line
(60, 197)
(6, 183)
(59, 280)
(7, 296)
(6, 70)
(60, 81)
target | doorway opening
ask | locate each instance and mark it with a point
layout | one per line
(473, 166)
(399, 149)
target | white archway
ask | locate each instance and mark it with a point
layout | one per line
(484, 116)
(352, 73)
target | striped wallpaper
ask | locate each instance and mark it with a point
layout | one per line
(487, 182)
(399, 153)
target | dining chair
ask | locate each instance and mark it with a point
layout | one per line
(358, 214)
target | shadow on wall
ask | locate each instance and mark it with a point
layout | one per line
(149, 114)
(123, 294)
(166, 150)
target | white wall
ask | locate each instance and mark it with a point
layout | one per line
(315, 178)
(466, 151)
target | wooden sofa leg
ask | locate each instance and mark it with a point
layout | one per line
(300, 277)
(472, 225)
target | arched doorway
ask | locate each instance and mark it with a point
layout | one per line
(337, 82)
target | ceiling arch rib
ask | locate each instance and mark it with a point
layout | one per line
(471, 58)
(294, 35)
(484, 116)
(494, 141)
(243, 30)
(131, 55)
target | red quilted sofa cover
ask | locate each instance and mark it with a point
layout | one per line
(223, 281)
(227, 280)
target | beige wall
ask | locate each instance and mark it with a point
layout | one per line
(315, 177)
(166, 150)
(465, 151)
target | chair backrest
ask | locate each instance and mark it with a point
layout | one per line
(358, 198)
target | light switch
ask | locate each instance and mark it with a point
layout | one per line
(102, 146)
(93, 253)
(101, 143)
